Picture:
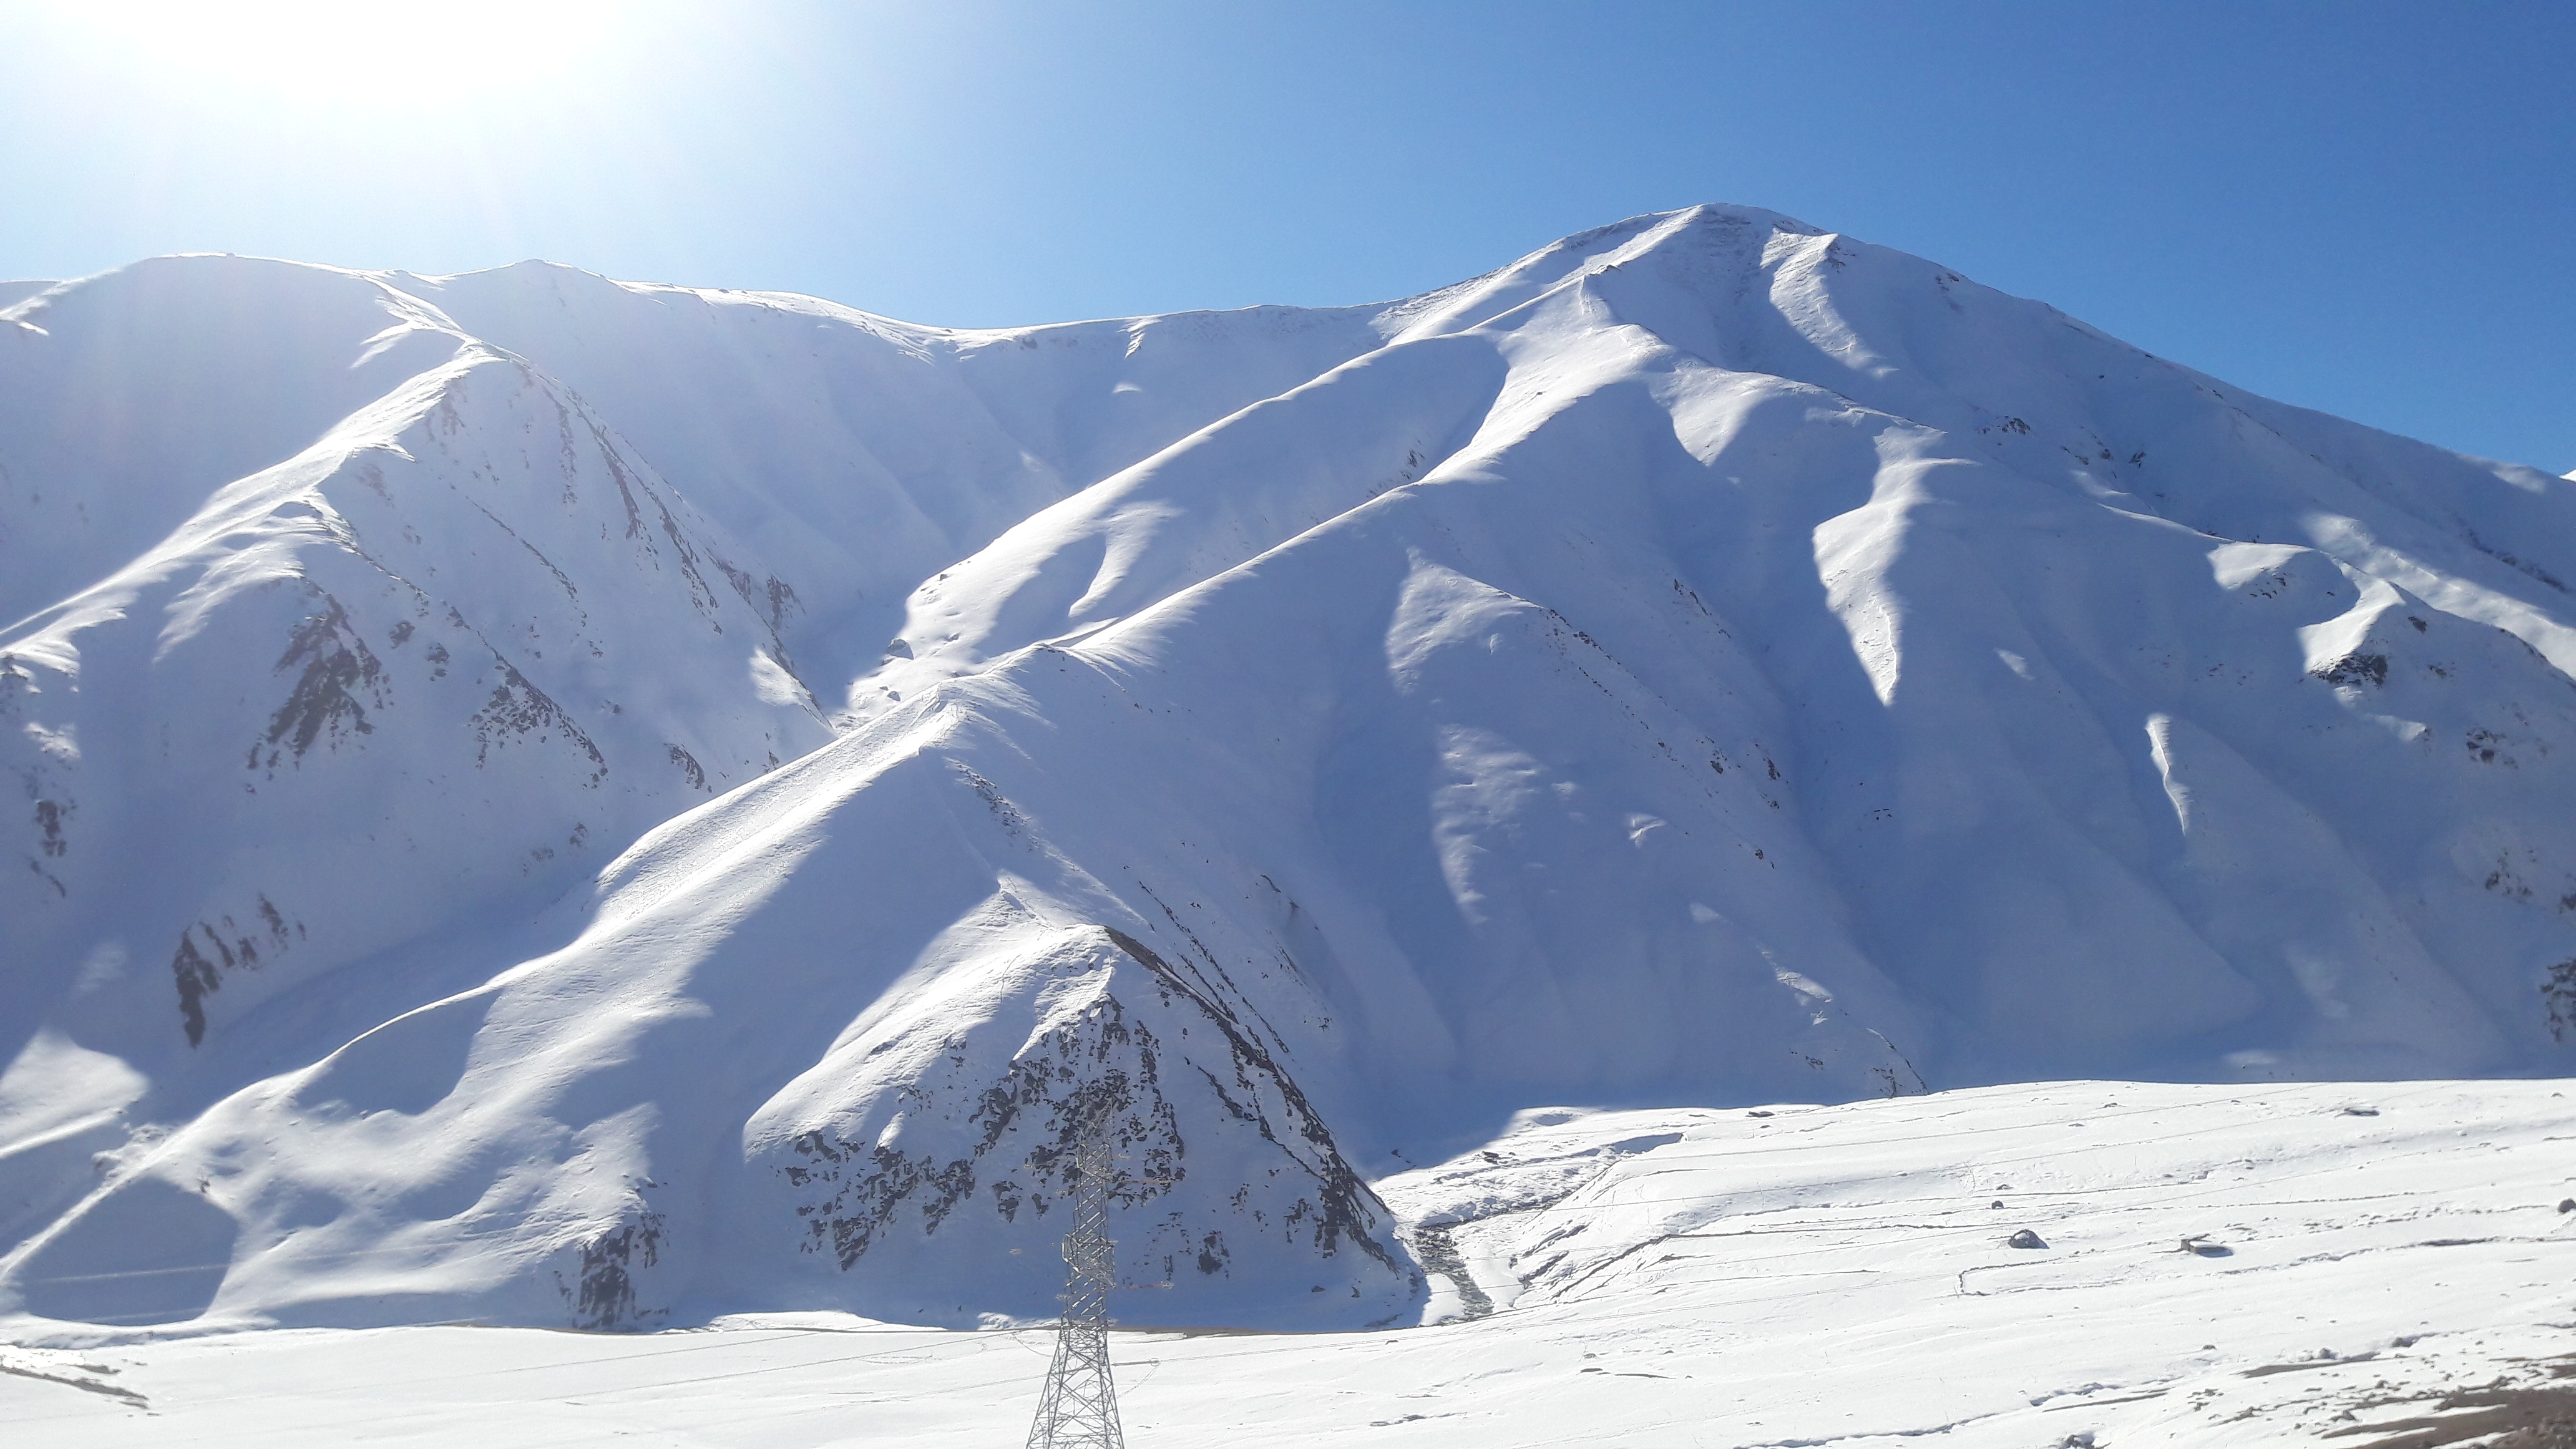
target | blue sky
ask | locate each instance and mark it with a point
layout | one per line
(2365, 208)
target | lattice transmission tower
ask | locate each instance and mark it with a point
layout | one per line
(1079, 1409)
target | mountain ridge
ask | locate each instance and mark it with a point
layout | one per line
(1707, 660)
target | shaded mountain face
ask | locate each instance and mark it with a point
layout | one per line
(564, 801)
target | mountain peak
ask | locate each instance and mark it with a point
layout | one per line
(570, 801)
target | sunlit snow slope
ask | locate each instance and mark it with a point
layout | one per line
(1707, 661)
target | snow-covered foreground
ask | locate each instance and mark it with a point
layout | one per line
(2223, 1265)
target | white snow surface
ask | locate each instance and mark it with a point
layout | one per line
(658, 804)
(2222, 1266)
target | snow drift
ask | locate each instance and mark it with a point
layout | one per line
(1709, 660)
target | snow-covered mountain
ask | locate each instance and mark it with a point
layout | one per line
(657, 803)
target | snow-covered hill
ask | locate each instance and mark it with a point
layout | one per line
(1708, 661)
(346, 638)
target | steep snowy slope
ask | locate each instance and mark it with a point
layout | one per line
(1707, 661)
(343, 636)
(861, 454)
(454, 647)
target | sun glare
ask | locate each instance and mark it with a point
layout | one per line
(356, 55)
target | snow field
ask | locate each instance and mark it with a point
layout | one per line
(1816, 1275)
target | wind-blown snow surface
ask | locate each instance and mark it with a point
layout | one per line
(2382, 1267)
(1708, 661)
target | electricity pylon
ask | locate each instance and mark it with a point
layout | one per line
(1079, 1409)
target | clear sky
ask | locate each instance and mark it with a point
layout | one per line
(2366, 208)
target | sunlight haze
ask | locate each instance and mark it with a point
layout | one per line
(2327, 203)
